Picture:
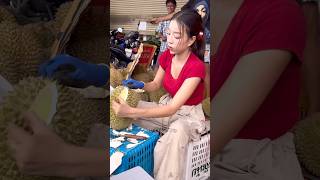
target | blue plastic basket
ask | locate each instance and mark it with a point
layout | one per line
(140, 155)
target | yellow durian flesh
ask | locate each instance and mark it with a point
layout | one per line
(131, 97)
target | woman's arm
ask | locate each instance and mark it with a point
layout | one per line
(244, 91)
(162, 18)
(156, 83)
(44, 153)
(183, 94)
(84, 161)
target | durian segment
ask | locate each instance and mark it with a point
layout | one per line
(124, 93)
(307, 142)
(45, 103)
(132, 100)
(206, 106)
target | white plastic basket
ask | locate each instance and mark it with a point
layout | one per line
(198, 159)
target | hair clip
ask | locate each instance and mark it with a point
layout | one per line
(200, 35)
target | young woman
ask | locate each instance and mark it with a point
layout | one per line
(255, 88)
(182, 74)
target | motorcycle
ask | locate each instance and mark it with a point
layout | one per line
(123, 47)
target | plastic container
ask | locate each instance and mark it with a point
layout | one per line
(198, 159)
(140, 155)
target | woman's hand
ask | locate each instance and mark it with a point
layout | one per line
(38, 151)
(121, 108)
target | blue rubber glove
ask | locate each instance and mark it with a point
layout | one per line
(133, 84)
(74, 72)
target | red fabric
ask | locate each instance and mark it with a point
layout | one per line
(262, 25)
(194, 67)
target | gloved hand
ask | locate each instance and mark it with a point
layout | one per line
(74, 72)
(133, 84)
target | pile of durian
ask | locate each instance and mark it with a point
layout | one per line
(72, 119)
(307, 142)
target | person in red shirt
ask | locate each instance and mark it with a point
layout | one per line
(255, 88)
(182, 75)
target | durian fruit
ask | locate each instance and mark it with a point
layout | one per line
(60, 16)
(9, 67)
(139, 69)
(29, 53)
(88, 41)
(93, 22)
(206, 106)
(144, 77)
(43, 34)
(307, 142)
(116, 77)
(5, 15)
(92, 50)
(131, 97)
(155, 96)
(20, 52)
(152, 73)
(71, 120)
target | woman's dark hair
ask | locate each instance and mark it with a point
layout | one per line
(171, 1)
(191, 21)
(188, 5)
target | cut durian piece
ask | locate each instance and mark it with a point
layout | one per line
(45, 103)
(131, 97)
(124, 93)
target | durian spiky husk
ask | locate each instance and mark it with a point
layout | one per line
(206, 106)
(139, 69)
(116, 77)
(144, 77)
(93, 50)
(133, 98)
(71, 122)
(60, 16)
(43, 34)
(307, 142)
(155, 96)
(5, 15)
(20, 52)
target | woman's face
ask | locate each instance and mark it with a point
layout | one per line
(170, 7)
(177, 38)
